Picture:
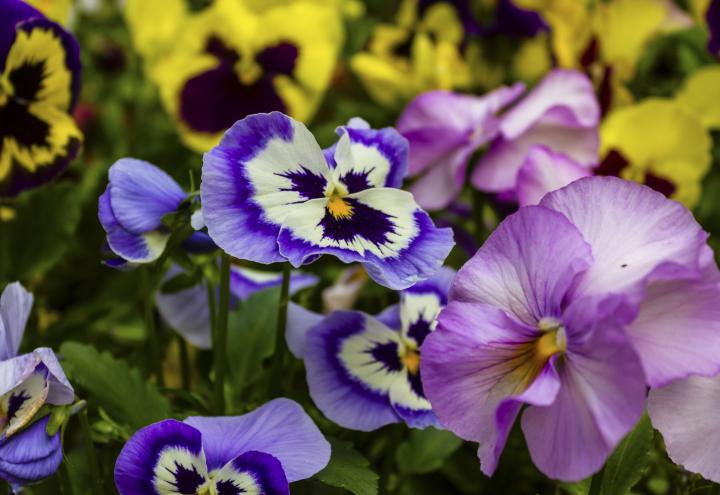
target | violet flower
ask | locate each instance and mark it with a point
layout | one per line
(259, 452)
(363, 371)
(571, 308)
(270, 194)
(27, 453)
(131, 209)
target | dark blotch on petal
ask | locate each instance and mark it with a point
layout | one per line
(365, 222)
(419, 330)
(659, 184)
(187, 480)
(278, 59)
(387, 354)
(356, 181)
(306, 183)
(613, 163)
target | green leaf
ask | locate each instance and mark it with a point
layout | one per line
(348, 469)
(123, 392)
(425, 450)
(43, 227)
(630, 460)
(251, 337)
(181, 282)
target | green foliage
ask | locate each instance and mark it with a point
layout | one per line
(425, 450)
(111, 384)
(348, 469)
(630, 460)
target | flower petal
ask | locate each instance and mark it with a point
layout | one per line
(16, 370)
(421, 303)
(677, 330)
(352, 359)
(544, 171)
(635, 233)
(265, 166)
(246, 281)
(15, 306)
(299, 323)
(141, 194)
(367, 158)
(165, 457)
(526, 267)
(684, 412)
(252, 473)
(280, 428)
(409, 401)
(383, 229)
(187, 312)
(31, 455)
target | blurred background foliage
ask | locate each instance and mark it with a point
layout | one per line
(51, 240)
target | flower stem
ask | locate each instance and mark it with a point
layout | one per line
(279, 355)
(154, 347)
(64, 477)
(596, 483)
(220, 343)
(95, 476)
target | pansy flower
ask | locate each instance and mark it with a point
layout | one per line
(444, 129)
(684, 412)
(39, 85)
(29, 381)
(260, 452)
(229, 61)
(187, 311)
(571, 308)
(561, 113)
(422, 50)
(658, 143)
(132, 207)
(700, 95)
(269, 194)
(363, 371)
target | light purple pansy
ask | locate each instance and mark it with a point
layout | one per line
(571, 308)
(561, 113)
(269, 194)
(131, 209)
(543, 171)
(444, 129)
(685, 412)
(364, 371)
(259, 452)
(187, 311)
(28, 381)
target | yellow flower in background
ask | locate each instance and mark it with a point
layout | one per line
(413, 55)
(700, 94)
(659, 143)
(57, 10)
(218, 65)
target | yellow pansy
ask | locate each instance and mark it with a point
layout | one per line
(659, 143)
(414, 54)
(218, 65)
(700, 94)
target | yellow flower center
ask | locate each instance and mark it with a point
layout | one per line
(411, 361)
(338, 207)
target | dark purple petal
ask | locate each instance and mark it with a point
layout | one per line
(31, 455)
(252, 472)
(712, 16)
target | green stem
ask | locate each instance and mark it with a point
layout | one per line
(92, 459)
(220, 343)
(596, 483)
(64, 475)
(184, 363)
(279, 355)
(155, 356)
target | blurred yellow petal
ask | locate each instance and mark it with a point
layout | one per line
(533, 59)
(154, 25)
(700, 94)
(442, 20)
(57, 10)
(660, 138)
(386, 83)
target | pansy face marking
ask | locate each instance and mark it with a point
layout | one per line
(19, 405)
(39, 83)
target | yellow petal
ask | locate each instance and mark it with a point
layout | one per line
(700, 94)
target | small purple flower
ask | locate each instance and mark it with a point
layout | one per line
(364, 371)
(27, 453)
(270, 194)
(561, 113)
(685, 412)
(444, 129)
(543, 171)
(187, 311)
(571, 308)
(259, 452)
(131, 209)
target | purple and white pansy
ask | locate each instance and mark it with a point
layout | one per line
(131, 210)
(187, 311)
(363, 371)
(27, 382)
(260, 453)
(572, 308)
(271, 194)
